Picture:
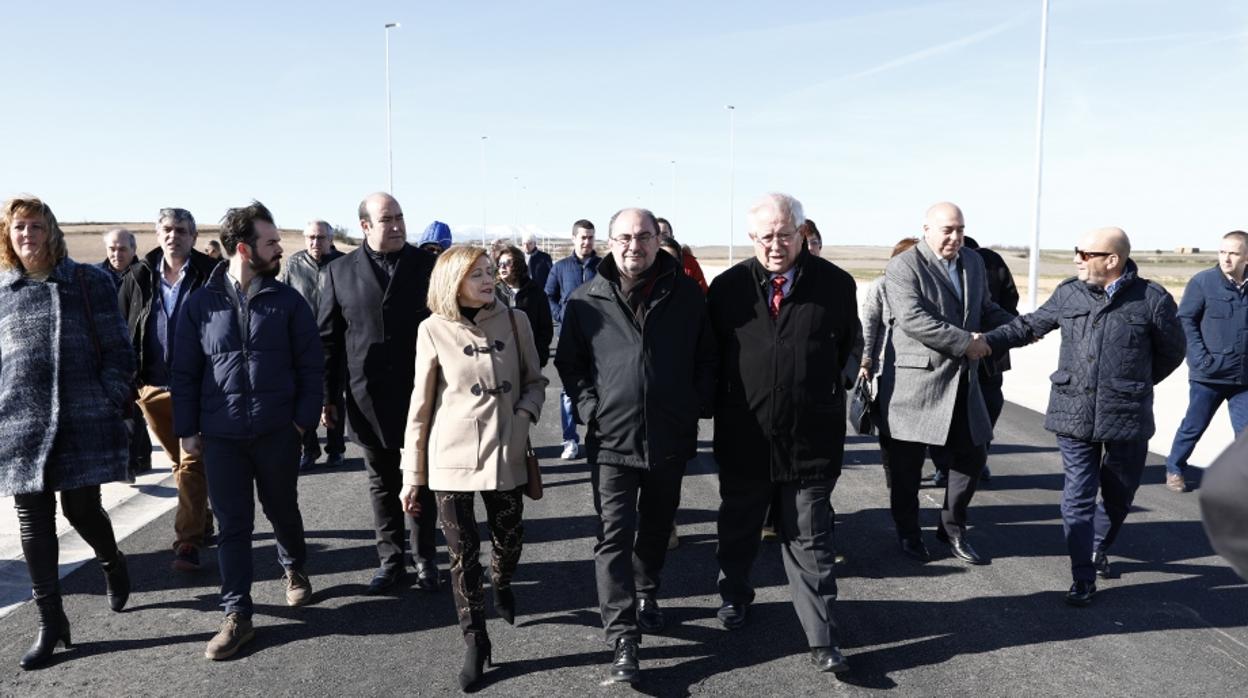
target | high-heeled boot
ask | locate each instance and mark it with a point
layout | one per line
(505, 604)
(476, 658)
(117, 581)
(53, 628)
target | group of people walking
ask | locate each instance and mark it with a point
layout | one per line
(432, 356)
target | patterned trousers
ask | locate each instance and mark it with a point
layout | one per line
(504, 510)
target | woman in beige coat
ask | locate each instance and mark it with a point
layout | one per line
(478, 388)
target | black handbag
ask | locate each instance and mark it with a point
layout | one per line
(860, 407)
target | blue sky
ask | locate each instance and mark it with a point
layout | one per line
(867, 112)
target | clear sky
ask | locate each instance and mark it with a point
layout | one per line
(866, 111)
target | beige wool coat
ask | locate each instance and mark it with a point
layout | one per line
(463, 433)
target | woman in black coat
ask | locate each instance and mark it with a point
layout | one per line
(517, 290)
(66, 374)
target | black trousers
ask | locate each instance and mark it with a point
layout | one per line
(802, 515)
(504, 514)
(334, 441)
(36, 518)
(636, 509)
(384, 483)
(991, 387)
(905, 462)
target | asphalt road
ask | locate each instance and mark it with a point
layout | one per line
(1174, 623)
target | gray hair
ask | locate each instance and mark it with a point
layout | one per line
(177, 215)
(322, 226)
(129, 236)
(527, 236)
(788, 207)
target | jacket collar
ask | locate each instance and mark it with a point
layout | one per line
(487, 312)
(217, 280)
(605, 284)
(198, 264)
(63, 272)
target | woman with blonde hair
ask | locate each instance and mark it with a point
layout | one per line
(66, 377)
(478, 388)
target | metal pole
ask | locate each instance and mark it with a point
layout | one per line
(1033, 262)
(732, 166)
(673, 211)
(483, 219)
(389, 146)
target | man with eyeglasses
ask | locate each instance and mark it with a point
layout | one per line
(303, 272)
(1120, 336)
(928, 392)
(637, 360)
(151, 296)
(785, 322)
(1214, 313)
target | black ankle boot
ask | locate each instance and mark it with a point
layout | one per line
(117, 581)
(475, 660)
(53, 628)
(505, 604)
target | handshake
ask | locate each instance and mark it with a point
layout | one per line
(978, 348)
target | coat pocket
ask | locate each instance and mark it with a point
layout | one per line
(913, 361)
(457, 444)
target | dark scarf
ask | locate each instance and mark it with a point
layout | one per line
(384, 263)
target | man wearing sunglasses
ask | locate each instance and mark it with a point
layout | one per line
(1120, 337)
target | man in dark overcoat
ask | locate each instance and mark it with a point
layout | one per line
(784, 323)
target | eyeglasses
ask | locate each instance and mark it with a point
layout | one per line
(1084, 254)
(785, 239)
(640, 238)
(504, 263)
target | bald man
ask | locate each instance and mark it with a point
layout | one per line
(1120, 337)
(928, 391)
(372, 299)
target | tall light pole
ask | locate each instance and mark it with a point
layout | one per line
(1033, 261)
(389, 147)
(483, 140)
(673, 211)
(732, 166)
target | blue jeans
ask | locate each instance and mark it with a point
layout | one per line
(565, 416)
(1112, 467)
(269, 465)
(1203, 401)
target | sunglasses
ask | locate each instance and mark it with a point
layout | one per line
(1084, 254)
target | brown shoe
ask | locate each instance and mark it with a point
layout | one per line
(298, 588)
(235, 632)
(186, 558)
(1175, 483)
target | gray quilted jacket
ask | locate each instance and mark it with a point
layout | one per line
(1113, 352)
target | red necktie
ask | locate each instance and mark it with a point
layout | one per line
(777, 295)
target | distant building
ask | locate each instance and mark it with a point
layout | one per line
(1187, 250)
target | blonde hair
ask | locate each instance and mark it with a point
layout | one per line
(452, 267)
(29, 205)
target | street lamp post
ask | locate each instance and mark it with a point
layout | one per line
(483, 218)
(732, 166)
(1033, 261)
(389, 146)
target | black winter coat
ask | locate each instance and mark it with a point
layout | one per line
(229, 386)
(640, 387)
(372, 332)
(532, 300)
(136, 292)
(1113, 352)
(780, 406)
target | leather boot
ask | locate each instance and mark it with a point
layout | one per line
(53, 628)
(505, 604)
(476, 658)
(117, 581)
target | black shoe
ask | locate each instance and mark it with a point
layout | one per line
(625, 668)
(116, 582)
(985, 475)
(649, 615)
(828, 659)
(141, 466)
(53, 628)
(732, 615)
(505, 604)
(940, 479)
(427, 578)
(1101, 562)
(960, 547)
(335, 460)
(476, 659)
(914, 549)
(1080, 593)
(385, 579)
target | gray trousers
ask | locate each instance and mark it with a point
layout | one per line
(802, 515)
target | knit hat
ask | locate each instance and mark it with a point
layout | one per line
(438, 233)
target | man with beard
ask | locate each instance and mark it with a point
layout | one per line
(246, 386)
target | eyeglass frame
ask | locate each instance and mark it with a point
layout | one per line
(626, 239)
(1083, 255)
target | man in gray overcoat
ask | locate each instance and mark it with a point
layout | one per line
(929, 394)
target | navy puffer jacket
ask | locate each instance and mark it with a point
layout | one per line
(1214, 313)
(228, 386)
(1113, 352)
